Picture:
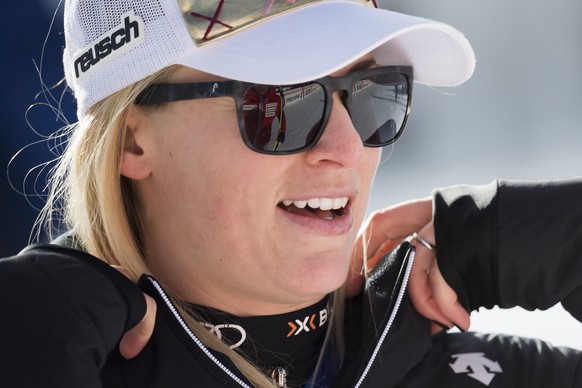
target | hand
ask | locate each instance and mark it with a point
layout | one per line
(430, 294)
(384, 231)
(134, 340)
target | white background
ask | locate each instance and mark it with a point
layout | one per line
(519, 117)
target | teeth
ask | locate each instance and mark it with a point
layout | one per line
(313, 203)
(300, 204)
(338, 203)
(320, 203)
(325, 203)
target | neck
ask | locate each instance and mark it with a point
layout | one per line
(292, 341)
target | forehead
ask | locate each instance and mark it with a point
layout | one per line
(185, 74)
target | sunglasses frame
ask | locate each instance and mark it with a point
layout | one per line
(172, 92)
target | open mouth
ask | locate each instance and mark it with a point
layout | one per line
(322, 208)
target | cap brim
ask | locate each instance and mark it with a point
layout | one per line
(319, 39)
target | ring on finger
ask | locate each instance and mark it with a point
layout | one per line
(424, 242)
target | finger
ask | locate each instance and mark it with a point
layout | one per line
(357, 271)
(388, 246)
(447, 301)
(384, 230)
(137, 338)
(396, 222)
(421, 291)
(437, 327)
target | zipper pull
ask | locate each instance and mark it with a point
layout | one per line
(279, 376)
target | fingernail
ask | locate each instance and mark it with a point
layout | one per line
(459, 327)
(441, 325)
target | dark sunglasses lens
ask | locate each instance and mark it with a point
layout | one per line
(283, 119)
(378, 107)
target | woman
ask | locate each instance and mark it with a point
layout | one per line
(245, 246)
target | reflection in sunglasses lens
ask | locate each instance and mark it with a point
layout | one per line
(378, 108)
(283, 118)
(288, 118)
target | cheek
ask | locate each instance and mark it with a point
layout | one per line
(213, 180)
(370, 162)
(193, 157)
(367, 172)
(197, 141)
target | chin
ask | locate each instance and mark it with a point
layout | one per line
(321, 280)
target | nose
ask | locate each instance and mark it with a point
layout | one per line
(339, 143)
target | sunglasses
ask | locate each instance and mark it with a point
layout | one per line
(288, 119)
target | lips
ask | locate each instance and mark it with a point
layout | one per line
(321, 208)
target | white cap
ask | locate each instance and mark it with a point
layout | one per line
(111, 44)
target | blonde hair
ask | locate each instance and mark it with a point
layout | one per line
(102, 210)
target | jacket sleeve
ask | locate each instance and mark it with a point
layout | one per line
(62, 314)
(512, 243)
(475, 360)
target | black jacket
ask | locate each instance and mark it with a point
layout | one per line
(517, 244)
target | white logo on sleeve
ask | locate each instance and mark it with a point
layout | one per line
(476, 365)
